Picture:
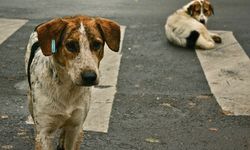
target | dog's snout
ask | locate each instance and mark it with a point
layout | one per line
(203, 21)
(89, 78)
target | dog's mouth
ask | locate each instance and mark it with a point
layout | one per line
(87, 84)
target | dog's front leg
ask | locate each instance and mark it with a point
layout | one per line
(73, 129)
(205, 43)
(44, 141)
(73, 138)
(77, 143)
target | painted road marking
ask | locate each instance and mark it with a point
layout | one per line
(103, 95)
(227, 69)
(8, 27)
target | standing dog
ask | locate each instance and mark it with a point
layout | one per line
(187, 26)
(62, 61)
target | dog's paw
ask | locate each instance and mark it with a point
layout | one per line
(217, 39)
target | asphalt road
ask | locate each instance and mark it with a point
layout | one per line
(163, 101)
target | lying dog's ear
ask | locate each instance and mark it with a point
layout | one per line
(193, 7)
(49, 33)
(190, 10)
(211, 9)
(111, 33)
(208, 6)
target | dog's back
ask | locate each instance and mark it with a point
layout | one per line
(182, 30)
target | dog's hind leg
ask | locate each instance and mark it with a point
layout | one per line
(203, 43)
(192, 39)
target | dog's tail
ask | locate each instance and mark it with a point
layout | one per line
(32, 47)
(31, 44)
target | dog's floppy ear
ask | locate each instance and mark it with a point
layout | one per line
(193, 6)
(49, 33)
(211, 8)
(111, 33)
(190, 9)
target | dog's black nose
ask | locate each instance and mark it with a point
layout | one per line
(202, 21)
(89, 78)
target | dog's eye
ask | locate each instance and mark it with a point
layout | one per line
(73, 46)
(96, 45)
(206, 12)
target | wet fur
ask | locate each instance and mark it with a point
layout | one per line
(58, 97)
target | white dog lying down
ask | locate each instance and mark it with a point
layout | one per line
(187, 26)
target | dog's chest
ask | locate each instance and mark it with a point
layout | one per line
(53, 96)
(61, 99)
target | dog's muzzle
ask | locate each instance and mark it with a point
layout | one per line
(203, 21)
(89, 78)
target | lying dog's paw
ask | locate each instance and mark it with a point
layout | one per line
(217, 39)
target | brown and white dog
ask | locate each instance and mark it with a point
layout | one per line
(187, 26)
(62, 61)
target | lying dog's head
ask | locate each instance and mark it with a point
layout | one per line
(79, 44)
(199, 10)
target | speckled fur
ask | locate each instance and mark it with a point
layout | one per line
(56, 101)
(53, 92)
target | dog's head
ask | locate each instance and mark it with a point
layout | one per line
(79, 44)
(200, 10)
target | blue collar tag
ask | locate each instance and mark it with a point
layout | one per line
(53, 46)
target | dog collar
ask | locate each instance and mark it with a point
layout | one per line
(53, 46)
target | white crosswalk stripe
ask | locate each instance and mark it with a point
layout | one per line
(8, 27)
(103, 96)
(227, 69)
